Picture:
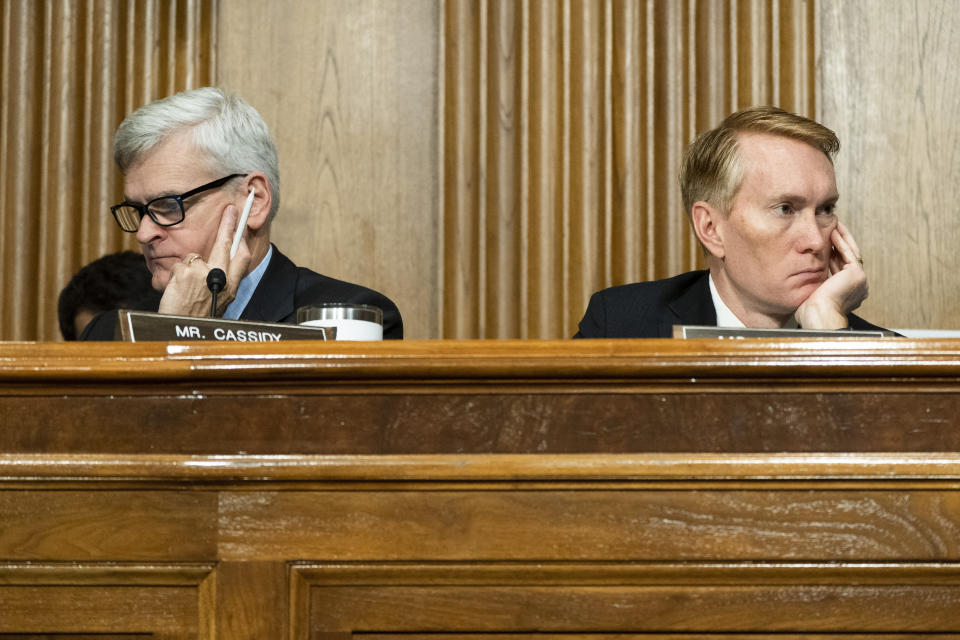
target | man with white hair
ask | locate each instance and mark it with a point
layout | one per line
(189, 162)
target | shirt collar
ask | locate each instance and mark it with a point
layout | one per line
(247, 286)
(726, 318)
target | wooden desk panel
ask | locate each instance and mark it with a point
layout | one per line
(482, 397)
(654, 489)
(636, 606)
(145, 601)
(571, 544)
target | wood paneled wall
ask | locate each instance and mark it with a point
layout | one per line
(487, 164)
(349, 90)
(563, 128)
(889, 87)
(71, 70)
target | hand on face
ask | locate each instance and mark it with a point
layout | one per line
(187, 294)
(845, 289)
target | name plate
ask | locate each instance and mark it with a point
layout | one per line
(144, 326)
(692, 331)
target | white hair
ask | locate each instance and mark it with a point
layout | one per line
(225, 127)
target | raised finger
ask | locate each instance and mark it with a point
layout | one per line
(836, 260)
(843, 248)
(220, 254)
(848, 238)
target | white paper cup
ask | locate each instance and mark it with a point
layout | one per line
(352, 321)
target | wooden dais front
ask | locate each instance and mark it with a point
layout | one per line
(231, 493)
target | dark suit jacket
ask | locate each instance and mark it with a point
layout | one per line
(650, 309)
(283, 288)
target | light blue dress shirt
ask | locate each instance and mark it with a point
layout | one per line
(247, 286)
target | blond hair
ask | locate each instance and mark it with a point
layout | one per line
(711, 170)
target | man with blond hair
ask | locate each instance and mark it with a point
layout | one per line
(761, 195)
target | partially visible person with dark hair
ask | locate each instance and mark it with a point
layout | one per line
(114, 281)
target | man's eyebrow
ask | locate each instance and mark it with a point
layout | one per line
(792, 197)
(787, 197)
(149, 198)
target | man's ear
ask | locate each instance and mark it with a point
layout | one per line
(707, 224)
(262, 198)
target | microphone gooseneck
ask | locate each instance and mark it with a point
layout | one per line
(216, 281)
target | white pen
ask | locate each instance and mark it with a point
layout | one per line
(242, 224)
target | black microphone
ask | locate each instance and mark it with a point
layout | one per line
(216, 281)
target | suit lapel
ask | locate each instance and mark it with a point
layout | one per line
(273, 299)
(693, 306)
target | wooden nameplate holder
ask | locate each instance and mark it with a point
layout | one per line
(143, 326)
(694, 331)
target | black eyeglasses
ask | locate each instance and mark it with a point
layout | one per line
(165, 211)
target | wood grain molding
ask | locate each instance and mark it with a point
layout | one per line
(651, 508)
(448, 598)
(729, 608)
(336, 574)
(681, 362)
(139, 601)
(482, 397)
(93, 574)
(861, 471)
